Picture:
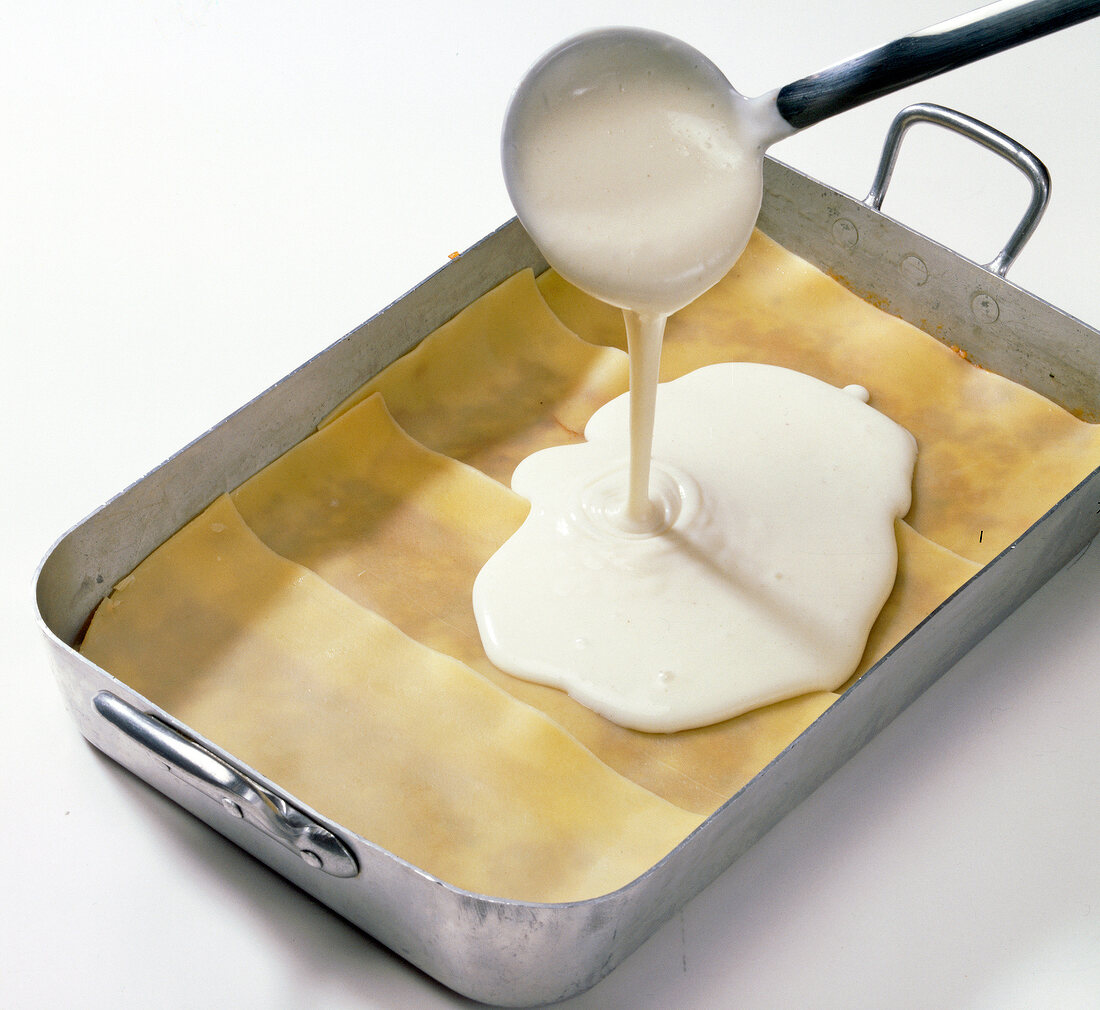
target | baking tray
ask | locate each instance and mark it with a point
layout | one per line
(519, 953)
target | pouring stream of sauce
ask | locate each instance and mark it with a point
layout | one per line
(637, 170)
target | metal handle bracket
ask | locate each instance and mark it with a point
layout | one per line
(238, 795)
(995, 141)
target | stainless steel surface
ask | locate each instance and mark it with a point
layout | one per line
(514, 953)
(924, 54)
(1032, 168)
(1000, 326)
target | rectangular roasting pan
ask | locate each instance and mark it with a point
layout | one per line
(509, 952)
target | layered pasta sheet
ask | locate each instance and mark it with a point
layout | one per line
(317, 624)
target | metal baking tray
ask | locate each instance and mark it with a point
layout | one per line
(517, 953)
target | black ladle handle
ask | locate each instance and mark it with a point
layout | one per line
(925, 54)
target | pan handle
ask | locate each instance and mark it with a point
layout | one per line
(238, 795)
(1035, 171)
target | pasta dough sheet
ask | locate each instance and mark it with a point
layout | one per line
(404, 531)
(499, 381)
(395, 741)
(340, 576)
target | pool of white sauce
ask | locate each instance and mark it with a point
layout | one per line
(777, 496)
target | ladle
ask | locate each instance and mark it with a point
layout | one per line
(637, 168)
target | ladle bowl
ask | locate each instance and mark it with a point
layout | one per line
(637, 167)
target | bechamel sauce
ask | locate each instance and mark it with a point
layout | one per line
(739, 553)
(776, 495)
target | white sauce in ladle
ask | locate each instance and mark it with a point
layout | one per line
(741, 557)
(636, 167)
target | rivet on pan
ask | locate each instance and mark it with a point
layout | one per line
(845, 233)
(914, 270)
(985, 307)
(232, 807)
(310, 858)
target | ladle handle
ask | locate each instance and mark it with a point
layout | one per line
(925, 54)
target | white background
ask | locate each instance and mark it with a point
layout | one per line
(197, 196)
